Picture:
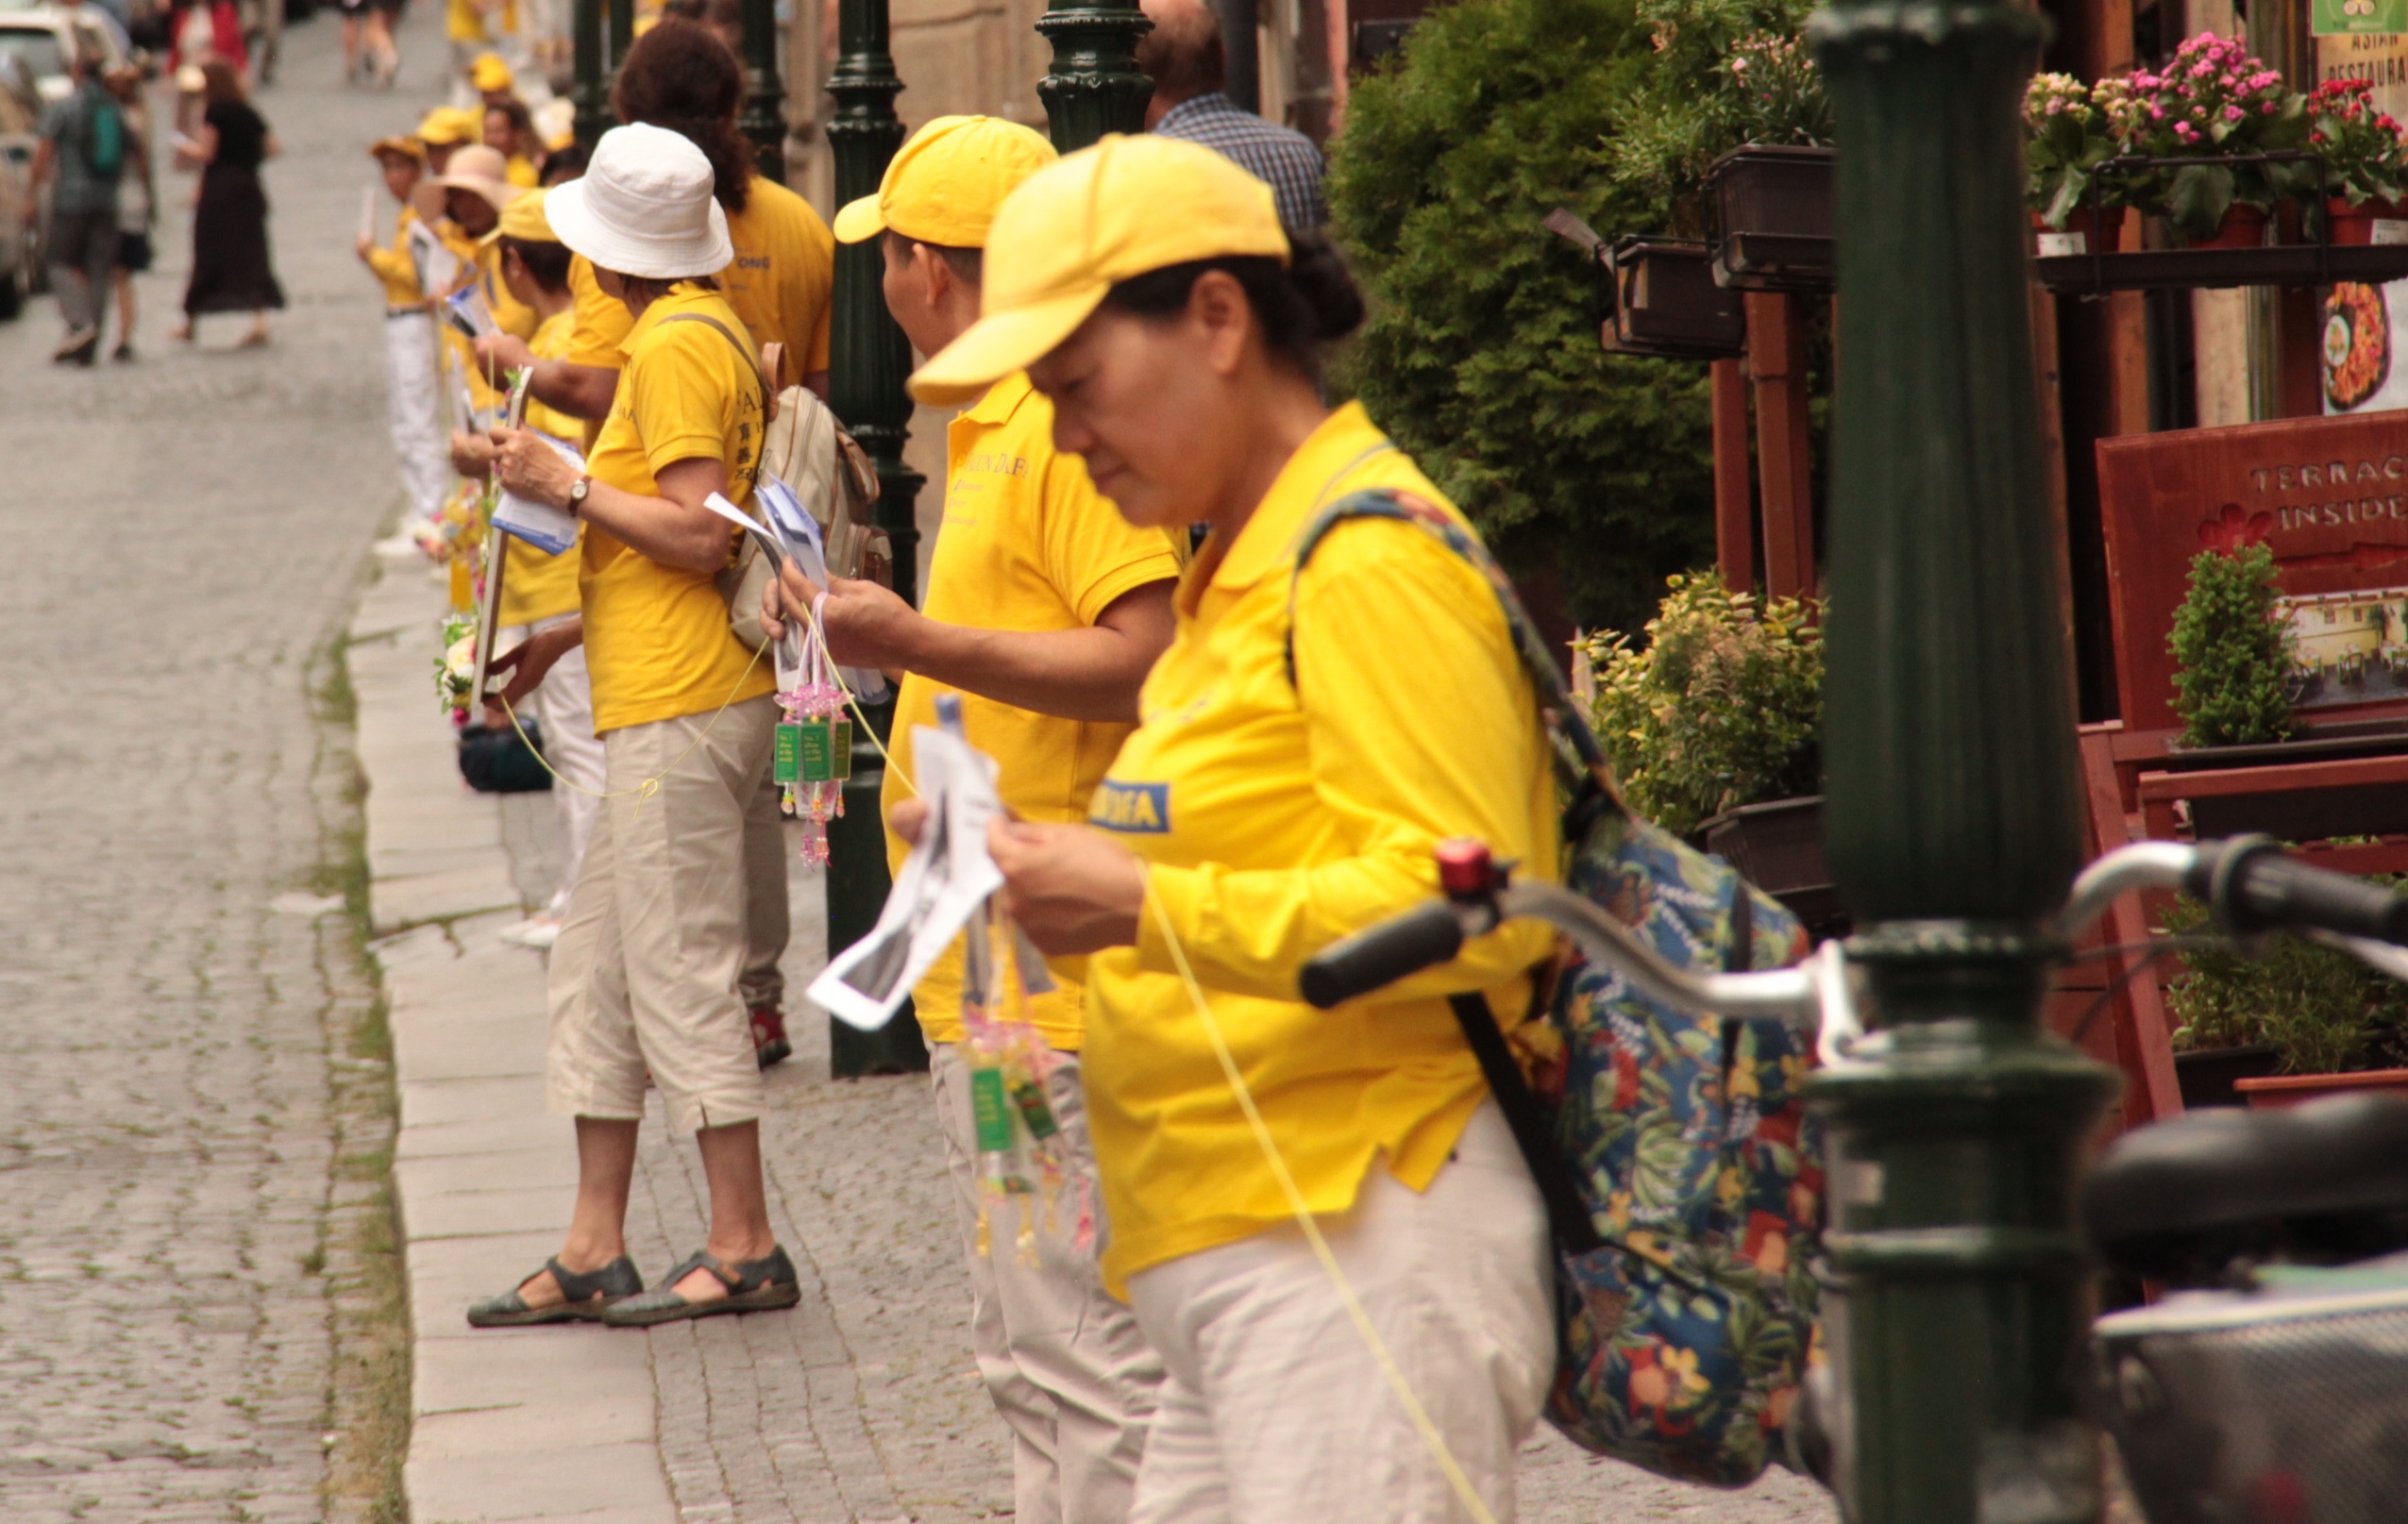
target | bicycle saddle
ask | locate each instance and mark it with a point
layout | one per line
(2193, 1199)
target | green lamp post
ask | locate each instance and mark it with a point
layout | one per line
(1950, 799)
(1095, 86)
(591, 96)
(868, 360)
(764, 119)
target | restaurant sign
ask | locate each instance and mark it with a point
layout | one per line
(2354, 18)
(2329, 496)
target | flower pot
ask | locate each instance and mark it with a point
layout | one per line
(1773, 212)
(2369, 222)
(1666, 304)
(1778, 847)
(2087, 231)
(2276, 1091)
(2207, 1075)
(2307, 813)
(2244, 227)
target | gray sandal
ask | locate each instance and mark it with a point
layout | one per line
(752, 1287)
(586, 1297)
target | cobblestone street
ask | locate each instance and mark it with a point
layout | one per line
(193, 540)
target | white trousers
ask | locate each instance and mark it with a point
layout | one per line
(565, 707)
(412, 398)
(1068, 1371)
(1275, 1411)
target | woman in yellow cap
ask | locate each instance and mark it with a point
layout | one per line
(1303, 745)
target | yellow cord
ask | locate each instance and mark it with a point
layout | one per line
(1431, 1438)
(650, 786)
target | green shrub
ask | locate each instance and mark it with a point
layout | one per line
(2233, 652)
(2323, 1010)
(1723, 707)
(1481, 356)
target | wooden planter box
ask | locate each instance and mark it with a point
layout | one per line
(1773, 211)
(2276, 1091)
(1778, 848)
(2208, 1076)
(1666, 304)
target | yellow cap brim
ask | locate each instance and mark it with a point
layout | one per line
(997, 344)
(858, 222)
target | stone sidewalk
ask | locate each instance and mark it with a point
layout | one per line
(859, 1405)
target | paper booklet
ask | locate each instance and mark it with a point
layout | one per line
(550, 529)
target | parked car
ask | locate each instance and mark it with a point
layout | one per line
(19, 119)
(43, 38)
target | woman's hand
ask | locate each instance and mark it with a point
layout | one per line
(364, 247)
(1072, 888)
(526, 663)
(499, 352)
(531, 468)
(472, 455)
(865, 625)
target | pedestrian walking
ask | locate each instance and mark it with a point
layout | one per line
(231, 270)
(413, 403)
(1183, 56)
(781, 283)
(643, 982)
(83, 149)
(1045, 607)
(137, 205)
(1305, 743)
(539, 591)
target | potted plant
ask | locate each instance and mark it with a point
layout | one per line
(1713, 725)
(2231, 647)
(2069, 131)
(1773, 194)
(2307, 1020)
(2365, 166)
(2213, 105)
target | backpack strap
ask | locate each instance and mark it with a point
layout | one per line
(1575, 1233)
(760, 383)
(1592, 772)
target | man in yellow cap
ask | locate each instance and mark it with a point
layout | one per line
(410, 335)
(1045, 609)
(444, 131)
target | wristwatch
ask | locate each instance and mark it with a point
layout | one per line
(577, 495)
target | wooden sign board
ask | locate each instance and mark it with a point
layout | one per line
(2330, 496)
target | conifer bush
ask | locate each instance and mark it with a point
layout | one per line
(2233, 652)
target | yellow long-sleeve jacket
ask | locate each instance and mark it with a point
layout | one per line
(394, 266)
(1275, 817)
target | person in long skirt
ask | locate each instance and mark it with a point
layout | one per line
(231, 272)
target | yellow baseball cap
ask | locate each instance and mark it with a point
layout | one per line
(1082, 225)
(449, 124)
(524, 220)
(490, 73)
(944, 186)
(405, 147)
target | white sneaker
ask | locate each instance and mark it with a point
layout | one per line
(539, 932)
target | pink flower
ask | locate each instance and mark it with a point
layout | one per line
(2268, 110)
(2231, 113)
(2157, 113)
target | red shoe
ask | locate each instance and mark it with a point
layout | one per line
(770, 1045)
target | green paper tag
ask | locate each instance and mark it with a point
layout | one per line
(989, 1107)
(786, 762)
(826, 750)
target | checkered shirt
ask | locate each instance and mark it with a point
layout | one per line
(1281, 158)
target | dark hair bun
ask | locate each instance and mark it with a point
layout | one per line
(1325, 286)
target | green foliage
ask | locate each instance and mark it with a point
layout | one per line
(1724, 73)
(2232, 651)
(1481, 355)
(2323, 1010)
(1722, 708)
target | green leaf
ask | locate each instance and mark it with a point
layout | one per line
(2197, 199)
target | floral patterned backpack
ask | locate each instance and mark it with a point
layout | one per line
(1682, 1177)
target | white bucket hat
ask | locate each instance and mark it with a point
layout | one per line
(644, 207)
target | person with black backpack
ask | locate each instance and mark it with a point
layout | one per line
(83, 145)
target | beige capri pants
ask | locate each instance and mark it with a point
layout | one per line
(643, 975)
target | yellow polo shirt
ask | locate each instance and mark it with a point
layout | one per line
(781, 283)
(536, 586)
(481, 263)
(394, 267)
(1276, 818)
(783, 280)
(657, 641)
(522, 173)
(1027, 544)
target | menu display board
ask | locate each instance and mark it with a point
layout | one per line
(2328, 495)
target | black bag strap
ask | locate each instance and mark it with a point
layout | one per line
(1574, 1231)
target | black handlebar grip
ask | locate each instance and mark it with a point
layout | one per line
(1380, 955)
(2254, 887)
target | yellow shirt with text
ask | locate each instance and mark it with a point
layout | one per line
(1027, 544)
(656, 643)
(1276, 818)
(536, 586)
